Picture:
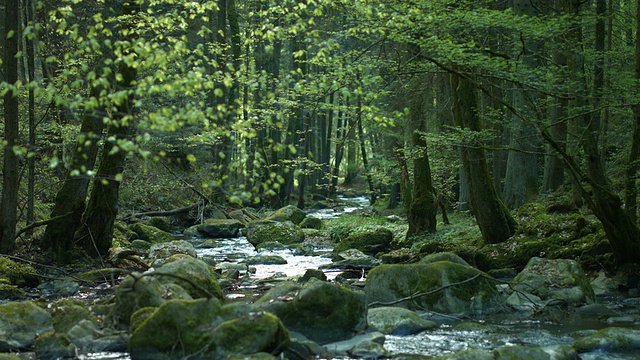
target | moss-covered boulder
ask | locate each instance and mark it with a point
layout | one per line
(369, 242)
(10, 292)
(311, 222)
(265, 260)
(164, 250)
(20, 324)
(322, 311)
(195, 276)
(65, 317)
(557, 281)
(18, 274)
(443, 256)
(137, 291)
(285, 233)
(217, 228)
(54, 346)
(473, 294)
(148, 233)
(397, 321)
(612, 339)
(204, 329)
(288, 213)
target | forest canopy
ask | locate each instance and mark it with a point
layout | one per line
(116, 107)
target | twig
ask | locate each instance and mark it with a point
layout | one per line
(413, 296)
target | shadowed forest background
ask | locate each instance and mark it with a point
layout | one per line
(117, 108)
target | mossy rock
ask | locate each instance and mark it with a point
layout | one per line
(369, 242)
(288, 213)
(217, 228)
(161, 222)
(138, 317)
(11, 292)
(204, 329)
(159, 253)
(20, 323)
(311, 222)
(18, 274)
(609, 339)
(285, 233)
(195, 276)
(270, 246)
(7, 356)
(66, 317)
(149, 233)
(137, 291)
(555, 279)
(397, 321)
(54, 346)
(443, 256)
(265, 260)
(321, 311)
(474, 296)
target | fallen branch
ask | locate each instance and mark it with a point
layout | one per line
(40, 223)
(177, 211)
(413, 296)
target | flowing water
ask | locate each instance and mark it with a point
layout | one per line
(443, 340)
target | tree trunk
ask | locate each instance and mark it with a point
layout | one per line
(422, 210)
(495, 222)
(95, 235)
(71, 198)
(30, 17)
(631, 174)
(521, 176)
(10, 171)
(352, 150)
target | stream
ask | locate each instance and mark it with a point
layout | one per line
(498, 331)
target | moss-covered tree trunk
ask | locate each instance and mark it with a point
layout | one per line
(71, 198)
(422, 210)
(96, 232)
(494, 219)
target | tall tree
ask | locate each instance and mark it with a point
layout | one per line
(10, 169)
(495, 222)
(422, 210)
(95, 234)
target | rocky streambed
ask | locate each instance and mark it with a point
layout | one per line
(275, 286)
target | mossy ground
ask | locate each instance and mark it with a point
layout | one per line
(545, 229)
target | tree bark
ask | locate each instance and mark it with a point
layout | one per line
(633, 162)
(95, 235)
(422, 210)
(495, 222)
(10, 171)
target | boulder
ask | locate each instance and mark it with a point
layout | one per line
(397, 321)
(217, 228)
(65, 317)
(547, 281)
(311, 222)
(165, 250)
(443, 256)
(369, 242)
(283, 232)
(288, 213)
(137, 291)
(17, 274)
(265, 260)
(609, 339)
(20, 324)
(195, 276)
(148, 233)
(54, 346)
(322, 311)
(365, 346)
(463, 290)
(204, 329)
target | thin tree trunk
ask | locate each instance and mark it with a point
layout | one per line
(495, 222)
(10, 173)
(31, 64)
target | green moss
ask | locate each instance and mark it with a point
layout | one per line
(66, 317)
(369, 242)
(609, 339)
(18, 274)
(13, 292)
(149, 233)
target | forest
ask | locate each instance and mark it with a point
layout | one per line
(115, 108)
